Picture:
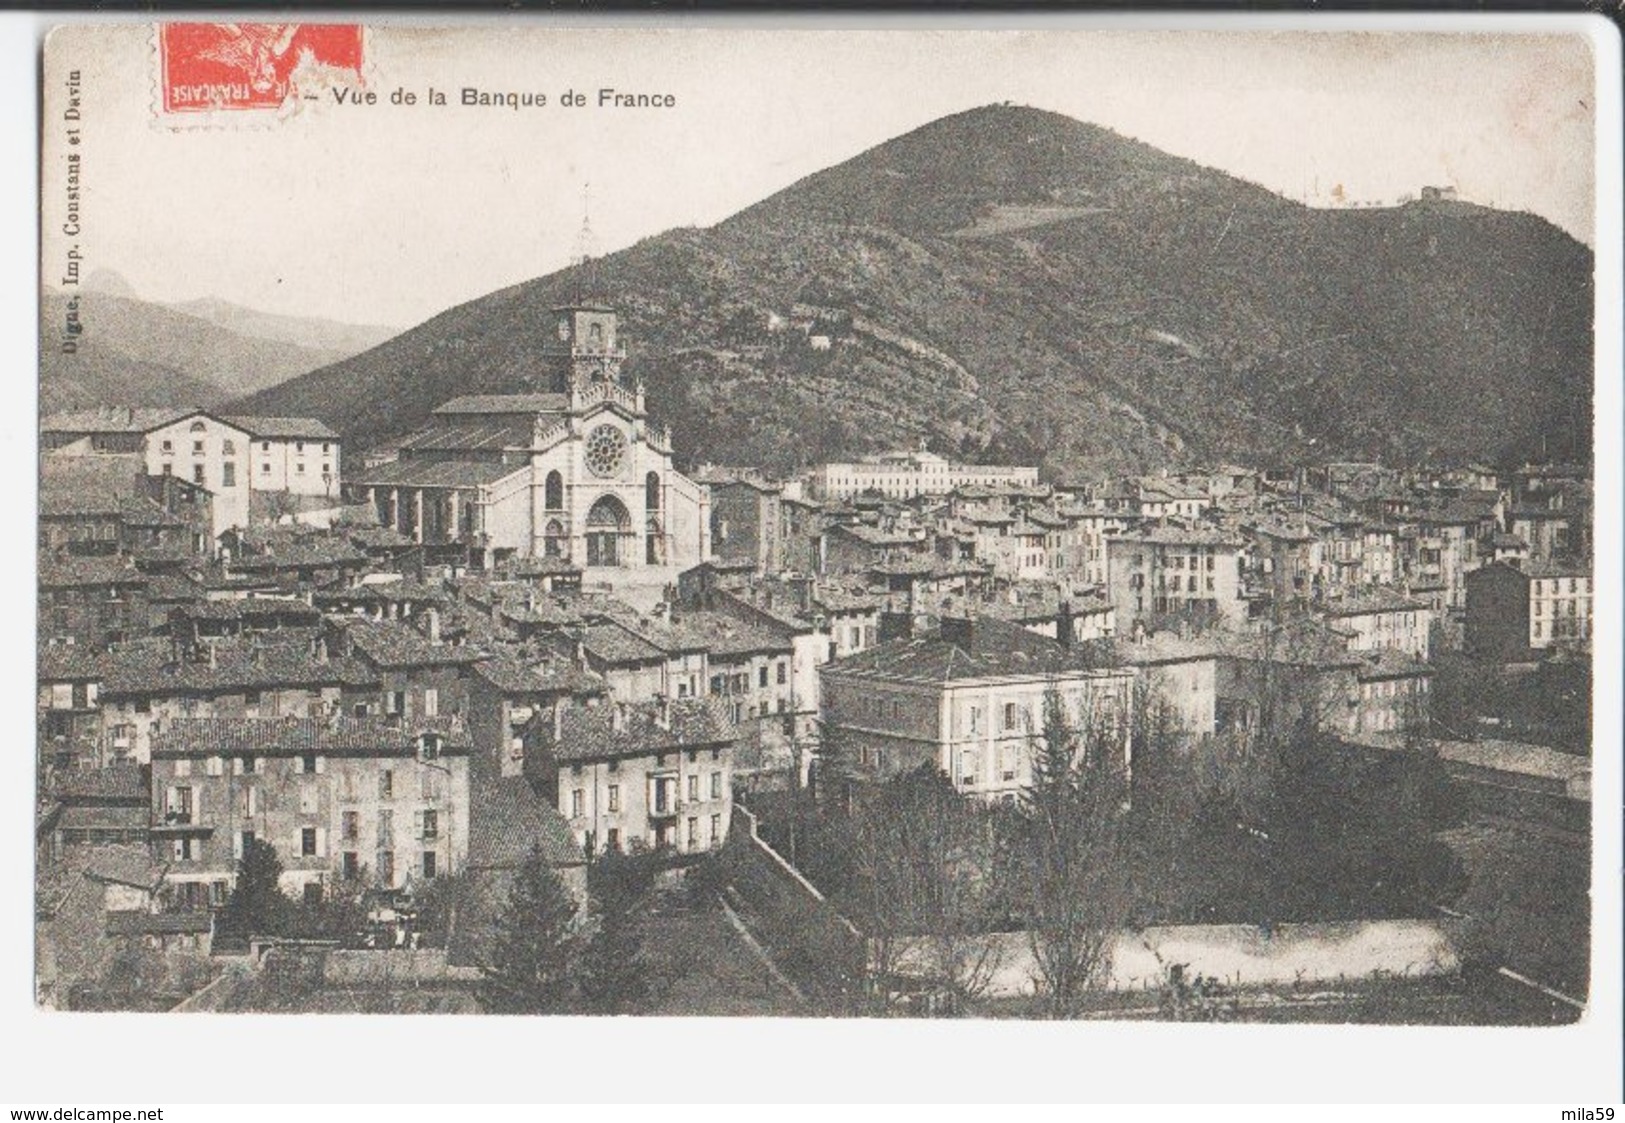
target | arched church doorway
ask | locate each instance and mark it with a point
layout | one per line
(608, 523)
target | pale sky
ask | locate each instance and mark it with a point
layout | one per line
(390, 215)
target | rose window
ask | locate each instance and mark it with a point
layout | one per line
(606, 450)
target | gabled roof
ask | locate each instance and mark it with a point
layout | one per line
(149, 667)
(591, 733)
(988, 648)
(513, 820)
(70, 572)
(294, 736)
(115, 420)
(436, 473)
(390, 644)
(1367, 601)
(504, 403)
(513, 675)
(282, 428)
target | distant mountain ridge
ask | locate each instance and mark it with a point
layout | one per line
(1011, 284)
(134, 352)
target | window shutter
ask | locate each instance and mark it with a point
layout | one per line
(321, 842)
(321, 765)
(237, 844)
(197, 804)
(417, 824)
(236, 766)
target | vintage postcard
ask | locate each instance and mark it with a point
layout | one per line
(817, 524)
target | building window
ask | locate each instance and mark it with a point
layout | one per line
(197, 448)
(761, 676)
(197, 473)
(167, 446)
(350, 866)
(651, 492)
(386, 828)
(386, 867)
(784, 674)
(350, 825)
(614, 840)
(307, 842)
(183, 850)
(428, 864)
(577, 803)
(614, 797)
(1009, 716)
(228, 474)
(693, 789)
(431, 825)
(716, 829)
(299, 446)
(250, 802)
(553, 497)
(431, 702)
(299, 468)
(183, 767)
(265, 468)
(716, 785)
(693, 830)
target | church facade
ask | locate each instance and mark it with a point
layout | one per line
(574, 470)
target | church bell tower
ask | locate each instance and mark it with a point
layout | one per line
(582, 349)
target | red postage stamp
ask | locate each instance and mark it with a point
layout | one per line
(213, 66)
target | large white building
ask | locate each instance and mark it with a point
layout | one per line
(573, 470)
(242, 461)
(906, 474)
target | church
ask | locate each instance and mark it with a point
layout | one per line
(574, 470)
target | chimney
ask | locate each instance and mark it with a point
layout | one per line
(663, 712)
(212, 661)
(558, 719)
(318, 649)
(433, 615)
(1063, 623)
(617, 717)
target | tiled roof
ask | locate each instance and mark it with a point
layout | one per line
(505, 403)
(509, 819)
(1556, 569)
(112, 420)
(613, 643)
(250, 608)
(996, 649)
(312, 550)
(590, 733)
(391, 644)
(69, 662)
(283, 428)
(284, 659)
(1367, 601)
(515, 676)
(67, 572)
(293, 736)
(383, 592)
(1173, 534)
(124, 864)
(436, 473)
(726, 635)
(470, 435)
(121, 783)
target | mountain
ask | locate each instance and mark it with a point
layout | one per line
(140, 353)
(305, 332)
(1011, 284)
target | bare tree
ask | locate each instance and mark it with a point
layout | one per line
(1073, 883)
(922, 861)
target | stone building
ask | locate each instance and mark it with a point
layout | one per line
(573, 469)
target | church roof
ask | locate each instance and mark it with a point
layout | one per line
(482, 435)
(505, 403)
(436, 473)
